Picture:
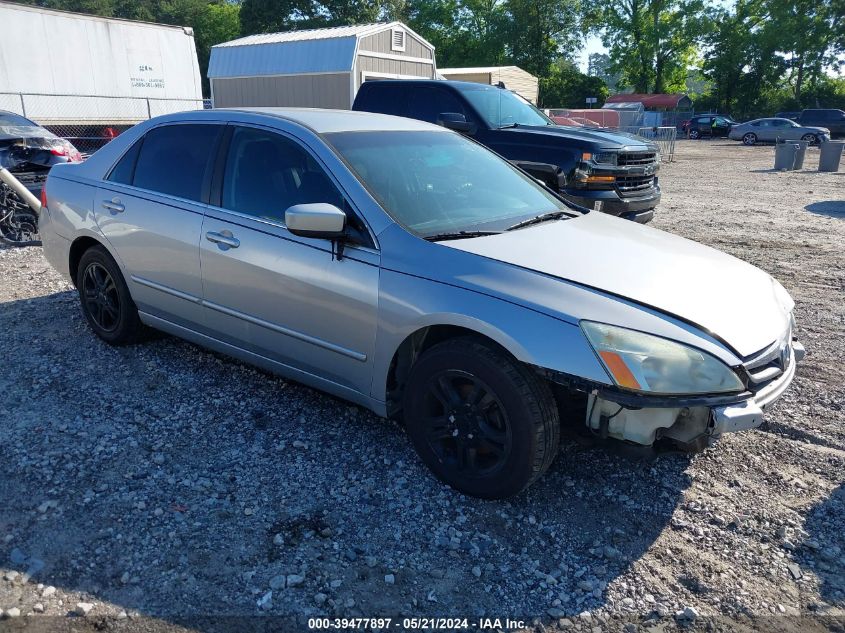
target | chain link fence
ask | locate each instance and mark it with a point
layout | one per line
(665, 138)
(90, 121)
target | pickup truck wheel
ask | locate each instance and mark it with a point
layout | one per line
(105, 298)
(480, 420)
(749, 139)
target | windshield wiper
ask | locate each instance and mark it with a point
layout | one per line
(507, 125)
(537, 219)
(458, 235)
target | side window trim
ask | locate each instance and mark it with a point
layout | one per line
(216, 187)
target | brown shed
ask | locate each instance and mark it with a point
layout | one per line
(520, 81)
(318, 68)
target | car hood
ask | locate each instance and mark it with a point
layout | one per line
(724, 296)
(609, 139)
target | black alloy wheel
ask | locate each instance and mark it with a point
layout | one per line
(484, 423)
(102, 301)
(467, 426)
(106, 303)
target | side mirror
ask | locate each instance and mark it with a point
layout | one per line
(318, 220)
(454, 121)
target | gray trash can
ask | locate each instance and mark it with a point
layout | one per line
(830, 154)
(785, 155)
(799, 154)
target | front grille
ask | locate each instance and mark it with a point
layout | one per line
(769, 364)
(629, 185)
(636, 159)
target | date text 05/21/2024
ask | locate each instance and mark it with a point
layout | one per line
(443, 624)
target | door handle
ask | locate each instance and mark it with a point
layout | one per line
(114, 205)
(223, 239)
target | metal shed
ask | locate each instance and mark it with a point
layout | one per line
(318, 68)
(520, 81)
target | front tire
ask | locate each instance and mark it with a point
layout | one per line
(749, 139)
(811, 139)
(694, 135)
(106, 302)
(481, 421)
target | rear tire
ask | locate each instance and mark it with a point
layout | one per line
(481, 421)
(749, 139)
(106, 302)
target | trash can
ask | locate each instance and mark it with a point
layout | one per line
(799, 154)
(829, 155)
(785, 155)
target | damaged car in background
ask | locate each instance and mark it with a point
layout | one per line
(405, 267)
(27, 152)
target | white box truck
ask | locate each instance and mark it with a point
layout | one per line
(87, 78)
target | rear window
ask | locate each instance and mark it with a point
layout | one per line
(174, 158)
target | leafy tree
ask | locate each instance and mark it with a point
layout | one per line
(651, 42)
(463, 32)
(565, 86)
(217, 23)
(539, 32)
(806, 31)
(740, 58)
(271, 16)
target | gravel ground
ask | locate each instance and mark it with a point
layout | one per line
(143, 487)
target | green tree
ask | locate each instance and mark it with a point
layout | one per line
(215, 24)
(539, 32)
(565, 86)
(272, 16)
(463, 32)
(807, 33)
(651, 42)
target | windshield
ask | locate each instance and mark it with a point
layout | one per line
(502, 108)
(438, 182)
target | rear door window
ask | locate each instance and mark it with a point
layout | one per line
(174, 159)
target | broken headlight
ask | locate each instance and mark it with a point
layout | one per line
(647, 363)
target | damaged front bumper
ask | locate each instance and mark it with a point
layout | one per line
(692, 422)
(749, 414)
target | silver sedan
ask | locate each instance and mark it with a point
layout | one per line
(406, 268)
(773, 129)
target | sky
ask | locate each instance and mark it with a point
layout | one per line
(592, 45)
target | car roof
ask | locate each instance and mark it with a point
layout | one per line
(445, 83)
(323, 121)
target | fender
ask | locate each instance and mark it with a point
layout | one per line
(540, 340)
